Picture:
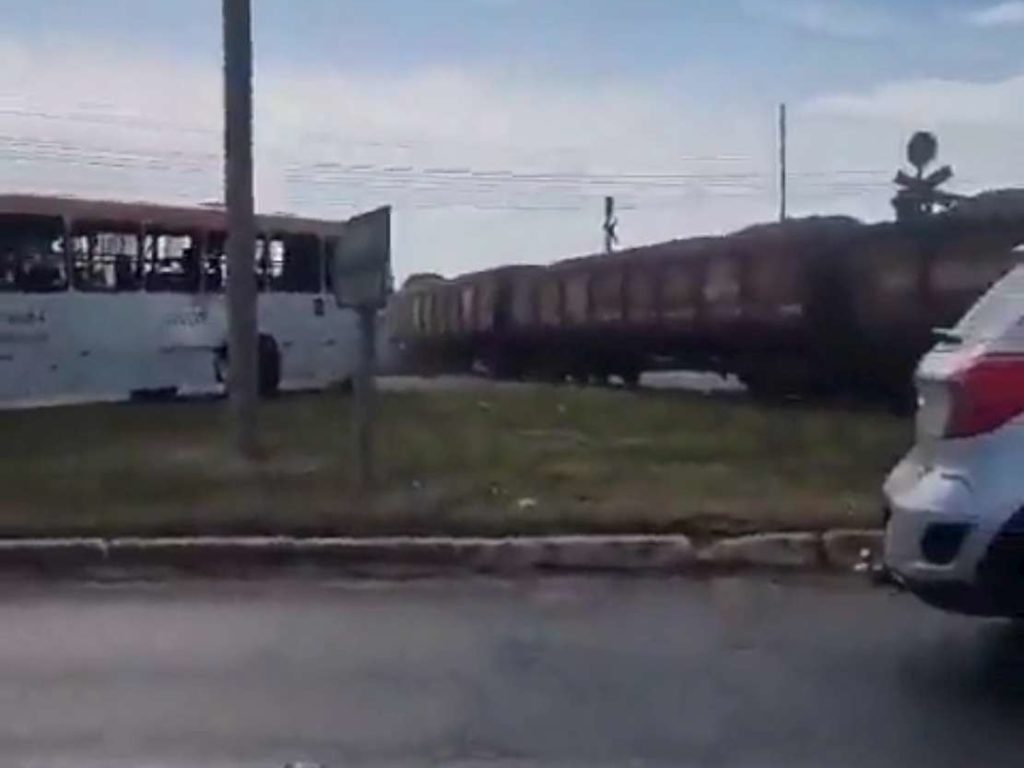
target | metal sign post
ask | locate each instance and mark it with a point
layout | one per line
(360, 271)
(363, 394)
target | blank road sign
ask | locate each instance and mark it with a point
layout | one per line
(362, 260)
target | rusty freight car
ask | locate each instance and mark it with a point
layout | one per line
(451, 325)
(730, 304)
(810, 305)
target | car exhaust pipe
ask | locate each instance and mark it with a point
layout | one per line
(881, 576)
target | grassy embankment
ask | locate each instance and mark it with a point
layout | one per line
(463, 462)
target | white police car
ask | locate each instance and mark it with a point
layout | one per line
(955, 503)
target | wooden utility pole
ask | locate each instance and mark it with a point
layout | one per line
(241, 279)
(782, 162)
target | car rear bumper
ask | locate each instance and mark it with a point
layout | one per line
(933, 533)
(980, 573)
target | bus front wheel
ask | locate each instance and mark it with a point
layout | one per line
(269, 367)
(268, 370)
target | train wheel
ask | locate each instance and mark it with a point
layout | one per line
(548, 375)
(504, 368)
(579, 378)
(220, 366)
(762, 385)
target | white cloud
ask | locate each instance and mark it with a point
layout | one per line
(933, 100)
(482, 169)
(1010, 13)
(978, 125)
(835, 18)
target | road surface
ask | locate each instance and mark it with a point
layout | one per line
(561, 672)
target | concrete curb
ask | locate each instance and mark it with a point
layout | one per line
(127, 558)
(771, 550)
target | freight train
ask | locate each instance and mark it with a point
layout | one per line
(819, 306)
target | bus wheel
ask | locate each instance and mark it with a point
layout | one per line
(220, 366)
(159, 395)
(269, 367)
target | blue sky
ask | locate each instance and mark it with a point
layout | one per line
(496, 126)
(787, 46)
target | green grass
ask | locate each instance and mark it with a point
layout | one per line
(463, 462)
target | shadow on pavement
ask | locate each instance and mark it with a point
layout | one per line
(979, 675)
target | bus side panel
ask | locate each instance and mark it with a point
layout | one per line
(291, 320)
(81, 347)
(338, 332)
(31, 336)
(139, 342)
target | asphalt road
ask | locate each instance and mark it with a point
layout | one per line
(559, 672)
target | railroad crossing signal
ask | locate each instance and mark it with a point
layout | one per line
(919, 195)
(921, 150)
(611, 237)
(926, 184)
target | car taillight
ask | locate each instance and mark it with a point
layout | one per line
(986, 395)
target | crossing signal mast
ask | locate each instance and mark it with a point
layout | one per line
(919, 195)
(611, 237)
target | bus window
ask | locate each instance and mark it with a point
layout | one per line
(172, 264)
(263, 268)
(215, 263)
(106, 261)
(329, 245)
(32, 257)
(274, 263)
(295, 264)
(32, 265)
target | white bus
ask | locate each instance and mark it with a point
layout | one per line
(105, 301)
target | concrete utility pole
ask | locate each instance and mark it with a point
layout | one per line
(241, 288)
(782, 162)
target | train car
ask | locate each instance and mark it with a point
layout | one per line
(726, 304)
(453, 325)
(761, 300)
(409, 326)
(816, 305)
(845, 307)
(593, 317)
(901, 281)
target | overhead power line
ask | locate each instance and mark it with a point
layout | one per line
(193, 174)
